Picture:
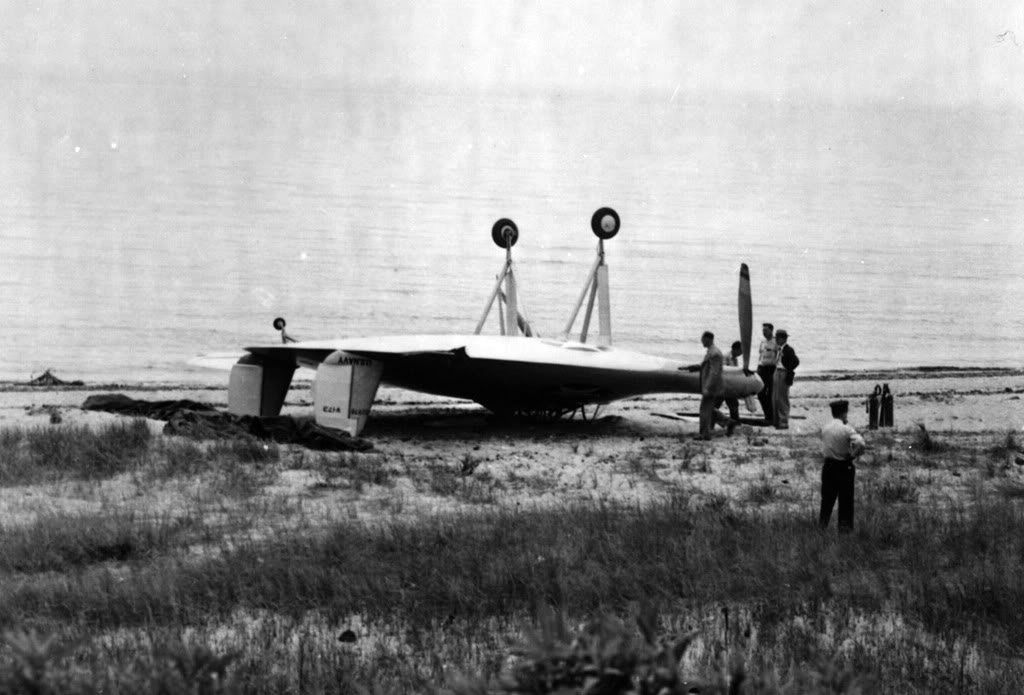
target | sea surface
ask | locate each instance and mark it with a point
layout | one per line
(145, 221)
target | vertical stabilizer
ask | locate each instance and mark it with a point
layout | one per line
(344, 390)
(258, 386)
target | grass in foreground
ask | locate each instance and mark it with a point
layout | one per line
(68, 542)
(919, 599)
(953, 574)
(607, 656)
(44, 454)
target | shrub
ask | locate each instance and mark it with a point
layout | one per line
(897, 490)
(925, 443)
(60, 542)
(1006, 446)
(246, 450)
(761, 492)
(609, 658)
(1011, 489)
(180, 457)
(43, 664)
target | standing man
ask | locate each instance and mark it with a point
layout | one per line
(767, 356)
(840, 445)
(784, 372)
(712, 387)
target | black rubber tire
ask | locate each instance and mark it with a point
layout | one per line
(498, 233)
(599, 219)
(279, 324)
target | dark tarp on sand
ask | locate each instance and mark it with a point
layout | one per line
(202, 421)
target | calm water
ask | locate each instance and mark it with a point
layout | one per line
(145, 223)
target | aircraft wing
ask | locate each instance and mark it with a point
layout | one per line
(475, 347)
(504, 372)
(310, 353)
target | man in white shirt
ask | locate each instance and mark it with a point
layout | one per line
(840, 445)
(767, 357)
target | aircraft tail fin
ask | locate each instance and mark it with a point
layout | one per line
(344, 389)
(258, 386)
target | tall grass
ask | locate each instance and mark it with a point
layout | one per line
(43, 454)
(243, 466)
(956, 573)
(63, 542)
(915, 593)
(949, 570)
(44, 664)
(46, 454)
(178, 457)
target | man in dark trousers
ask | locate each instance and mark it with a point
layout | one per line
(767, 356)
(732, 360)
(712, 388)
(784, 372)
(840, 445)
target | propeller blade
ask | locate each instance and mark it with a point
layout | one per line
(746, 312)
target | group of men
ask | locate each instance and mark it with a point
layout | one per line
(777, 361)
(776, 365)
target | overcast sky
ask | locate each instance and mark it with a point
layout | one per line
(936, 52)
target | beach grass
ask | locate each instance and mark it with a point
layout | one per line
(951, 576)
(44, 453)
(237, 592)
(67, 542)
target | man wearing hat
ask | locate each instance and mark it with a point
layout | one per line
(767, 356)
(840, 445)
(783, 379)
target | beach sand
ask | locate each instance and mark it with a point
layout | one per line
(961, 400)
(630, 452)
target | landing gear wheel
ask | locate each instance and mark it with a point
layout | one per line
(605, 223)
(505, 233)
(279, 324)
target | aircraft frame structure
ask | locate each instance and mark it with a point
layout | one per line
(515, 372)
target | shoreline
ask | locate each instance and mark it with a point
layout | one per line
(940, 399)
(894, 374)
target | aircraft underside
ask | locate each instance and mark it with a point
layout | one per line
(516, 371)
(505, 385)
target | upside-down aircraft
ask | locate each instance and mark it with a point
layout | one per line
(514, 372)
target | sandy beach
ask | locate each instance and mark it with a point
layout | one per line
(634, 450)
(941, 399)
